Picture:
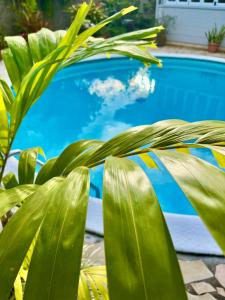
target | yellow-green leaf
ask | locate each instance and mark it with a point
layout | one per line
(148, 160)
(18, 288)
(4, 130)
(220, 158)
(138, 246)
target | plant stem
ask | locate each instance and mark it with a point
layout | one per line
(5, 161)
(3, 167)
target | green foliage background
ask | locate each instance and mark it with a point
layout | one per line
(54, 12)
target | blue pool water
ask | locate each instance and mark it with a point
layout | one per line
(98, 99)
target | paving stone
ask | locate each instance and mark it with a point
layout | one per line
(192, 297)
(202, 288)
(202, 297)
(220, 274)
(220, 291)
(207, 297)
(91, 238)
(94, 253)
(194, 271)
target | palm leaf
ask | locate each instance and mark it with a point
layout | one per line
(12, 68)
(7, 94)
(70, 154)
(21, 53)
(123, 180)
(26, 222)
(93, 283)
(10, 181)
(4, 128)
(203, 184)
(27, 165)
(54, 213)
(18, 288)
(50, 280)
(131, 213)
(14, 196)
(44, 173)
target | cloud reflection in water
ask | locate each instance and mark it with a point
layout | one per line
(116, 95)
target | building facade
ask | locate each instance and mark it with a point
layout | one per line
(192, 18)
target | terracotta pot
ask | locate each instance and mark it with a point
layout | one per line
(213, 47)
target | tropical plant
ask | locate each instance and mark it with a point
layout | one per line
(216, 35)
(29, 16)
(144, 18)
(167, 22)
(2, 42)
(52, 206)
(92, 281)
(95, 15)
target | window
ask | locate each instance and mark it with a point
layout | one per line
(221, 3)
(197, 3)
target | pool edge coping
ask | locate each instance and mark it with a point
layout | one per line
(162, 54)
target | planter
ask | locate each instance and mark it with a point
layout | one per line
(213, 47)
(161, 39)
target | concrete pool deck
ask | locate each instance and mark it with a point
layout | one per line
(190, 50)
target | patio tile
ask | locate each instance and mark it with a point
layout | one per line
(199, 280)
(95, 253)
(192, 297)
(202, 288)
(220, 291)
(220, 274)
(203, 297)
(194, 271)
(207, 297)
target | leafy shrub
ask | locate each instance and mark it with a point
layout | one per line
(144, 17)
(2, 42)
(95, 15)
(166, 21)
(29, 16)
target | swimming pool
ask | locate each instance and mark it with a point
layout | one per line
(98, 99)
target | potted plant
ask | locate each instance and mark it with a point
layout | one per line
(166, 21)
(215, 36)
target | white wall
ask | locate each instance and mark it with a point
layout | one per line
(191, 23)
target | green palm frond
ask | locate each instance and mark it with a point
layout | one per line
(92, 279)
(131, 211)
(140, 257)
(93, 283)
(31, 65)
